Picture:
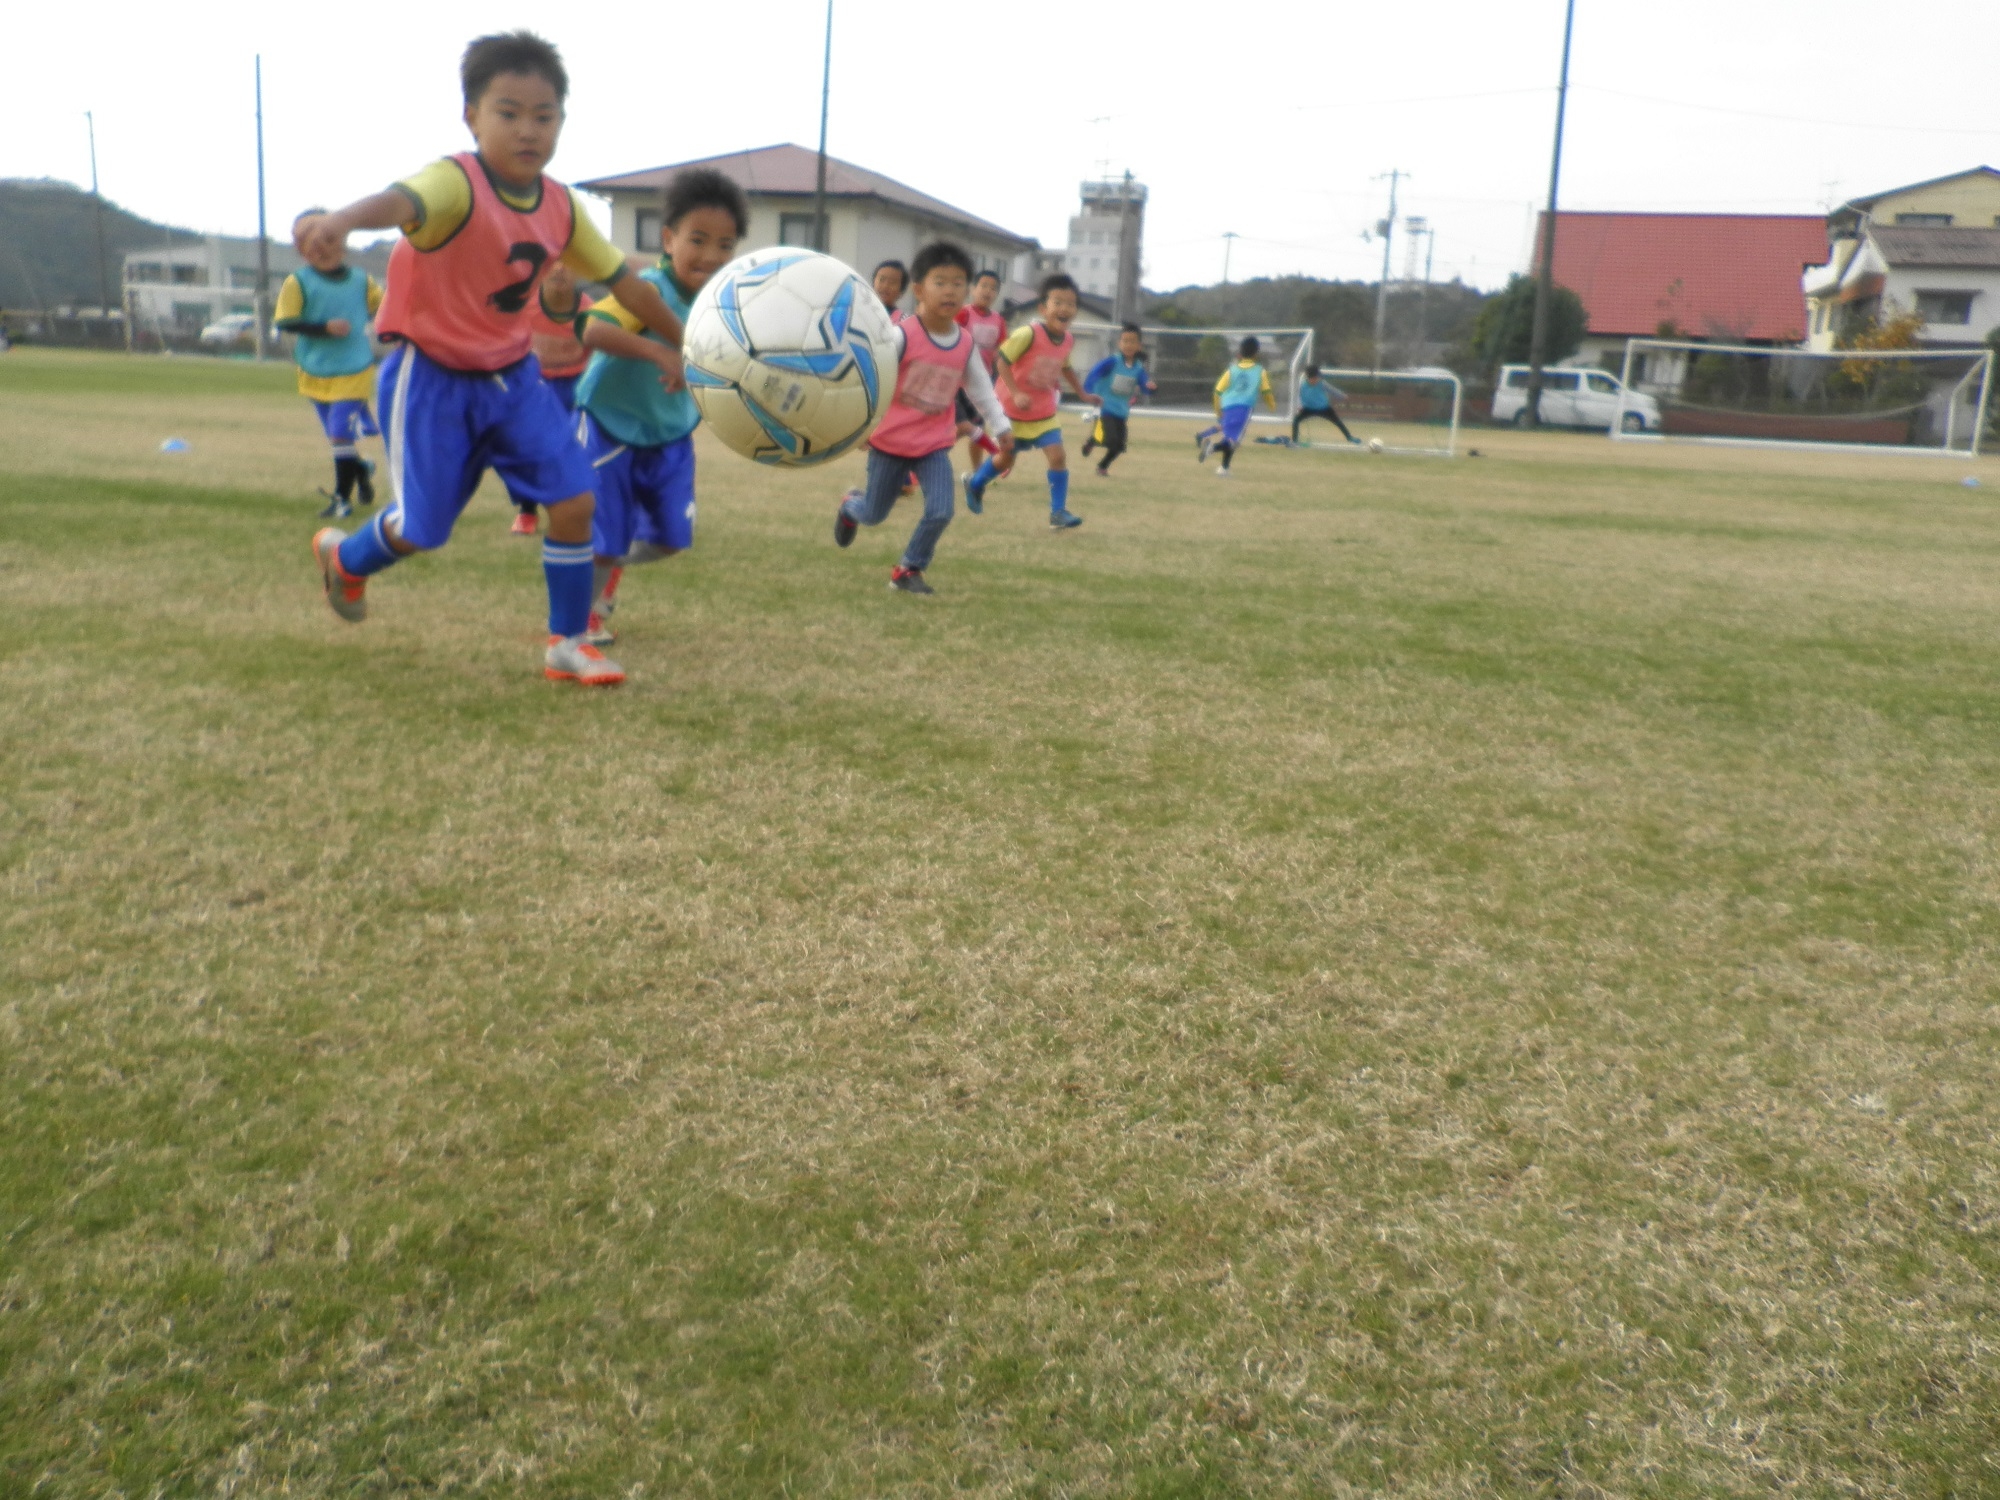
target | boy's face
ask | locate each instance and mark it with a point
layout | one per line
(889, 285)
(515, 124)
(701, 243)
(1128, 345)
(319, 257)
(1059, 308)
(986, 292)
(942, 292)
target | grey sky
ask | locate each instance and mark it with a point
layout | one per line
(1270, 119)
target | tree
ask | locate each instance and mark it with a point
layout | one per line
(1504, 331)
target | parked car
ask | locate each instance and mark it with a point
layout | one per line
(237, 328)
(1575, 398)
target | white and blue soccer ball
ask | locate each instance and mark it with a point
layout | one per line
(790, 356)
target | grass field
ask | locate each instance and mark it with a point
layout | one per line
(1379, 977)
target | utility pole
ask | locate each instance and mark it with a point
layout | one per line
(821, 230)
(97, 203)
(1424, 295)
(1229, 239)
(1538, 343)
(1387, 229)
(263, 236)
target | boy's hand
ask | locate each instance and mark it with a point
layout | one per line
(339, 327)
(322, 233)
(672, 375)
(1094, 400)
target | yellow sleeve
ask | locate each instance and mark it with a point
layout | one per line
(374, 296)
(612, 311)
(1270, 398)
(1222, 380)
(442, 199)
(291, 301)
(588, 253)
(1016, 343)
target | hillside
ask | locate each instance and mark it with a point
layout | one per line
(48, 244)
(1342, 314)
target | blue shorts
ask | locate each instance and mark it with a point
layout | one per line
(344, 421)
(643, 494)
(1234, 420)
(1050, 439)
(445, 428)
(565, 388)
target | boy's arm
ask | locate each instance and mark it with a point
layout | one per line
(1097, 373)
(388, 209)
(374, 296)
(1270, 397)
(287, 312)
(613, 327)
(643, 300)
(979, 391)
(1069, 374)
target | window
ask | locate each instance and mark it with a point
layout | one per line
(1559, 380)
(241, 276)
(1944, 307)
(646, 230)
(1923, 221)
(797, 229)
(1604, 385)
(146, 270)
(1517, 380)
(189, 275)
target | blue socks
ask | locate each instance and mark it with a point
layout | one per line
(1058, 491)
(570, 569)
(367, 551)
(983, 475)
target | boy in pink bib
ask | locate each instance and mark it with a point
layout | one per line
(1034, 365)
(939, 360)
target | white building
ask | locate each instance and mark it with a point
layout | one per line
(178, 289)
(1105, 239)
(870, 218)
(1932, 248)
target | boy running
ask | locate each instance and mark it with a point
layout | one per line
(987, 328)
(1236, 394)
(325, 305)
(560, 355)
(1316, 399)
(638, 433)
(916, 436)
(463, 390)
(1115, 380)
(1034, 365)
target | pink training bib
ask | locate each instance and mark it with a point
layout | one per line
(465, 304)
(923, 416)
(988, 330)
(1037, 376)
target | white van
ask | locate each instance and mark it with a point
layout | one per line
(1575, 398)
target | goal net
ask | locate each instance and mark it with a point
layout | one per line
(1397, 412)
(1912, 400)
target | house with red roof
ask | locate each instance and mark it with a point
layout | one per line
(1716, 278)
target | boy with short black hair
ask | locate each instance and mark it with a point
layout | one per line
(640, 436)
(1034, 365)
(561, 355)
(1116, 379)
(987, 328)
(891, 280)
(1236, 394)
(938, 359)
(325, 305)
(1316, 399)
(461, 393)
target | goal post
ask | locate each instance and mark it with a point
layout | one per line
(1405, 411)
(1927, 401)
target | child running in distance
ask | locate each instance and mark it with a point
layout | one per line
(325, 305)
(1236, 395)
(987, 327)
(462, 392)
(1316, 399)
(560, 354)
(938, 360)
(1034, 366)
(1115, 380)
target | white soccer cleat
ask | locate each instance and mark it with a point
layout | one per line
(571, 658)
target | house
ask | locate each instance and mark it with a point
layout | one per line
(1713, 278)
(178, 289)
(1932, 248)
(870, 218)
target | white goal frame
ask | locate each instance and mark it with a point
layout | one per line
(1295, 367)
(1410, 377)
(1982, 368)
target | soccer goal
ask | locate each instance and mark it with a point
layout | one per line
(1866, 400)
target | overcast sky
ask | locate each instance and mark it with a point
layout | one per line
(1272, 119)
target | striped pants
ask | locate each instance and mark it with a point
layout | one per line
(886, 474)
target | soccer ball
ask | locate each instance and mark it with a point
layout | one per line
(1376, 445)
(790, 356)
